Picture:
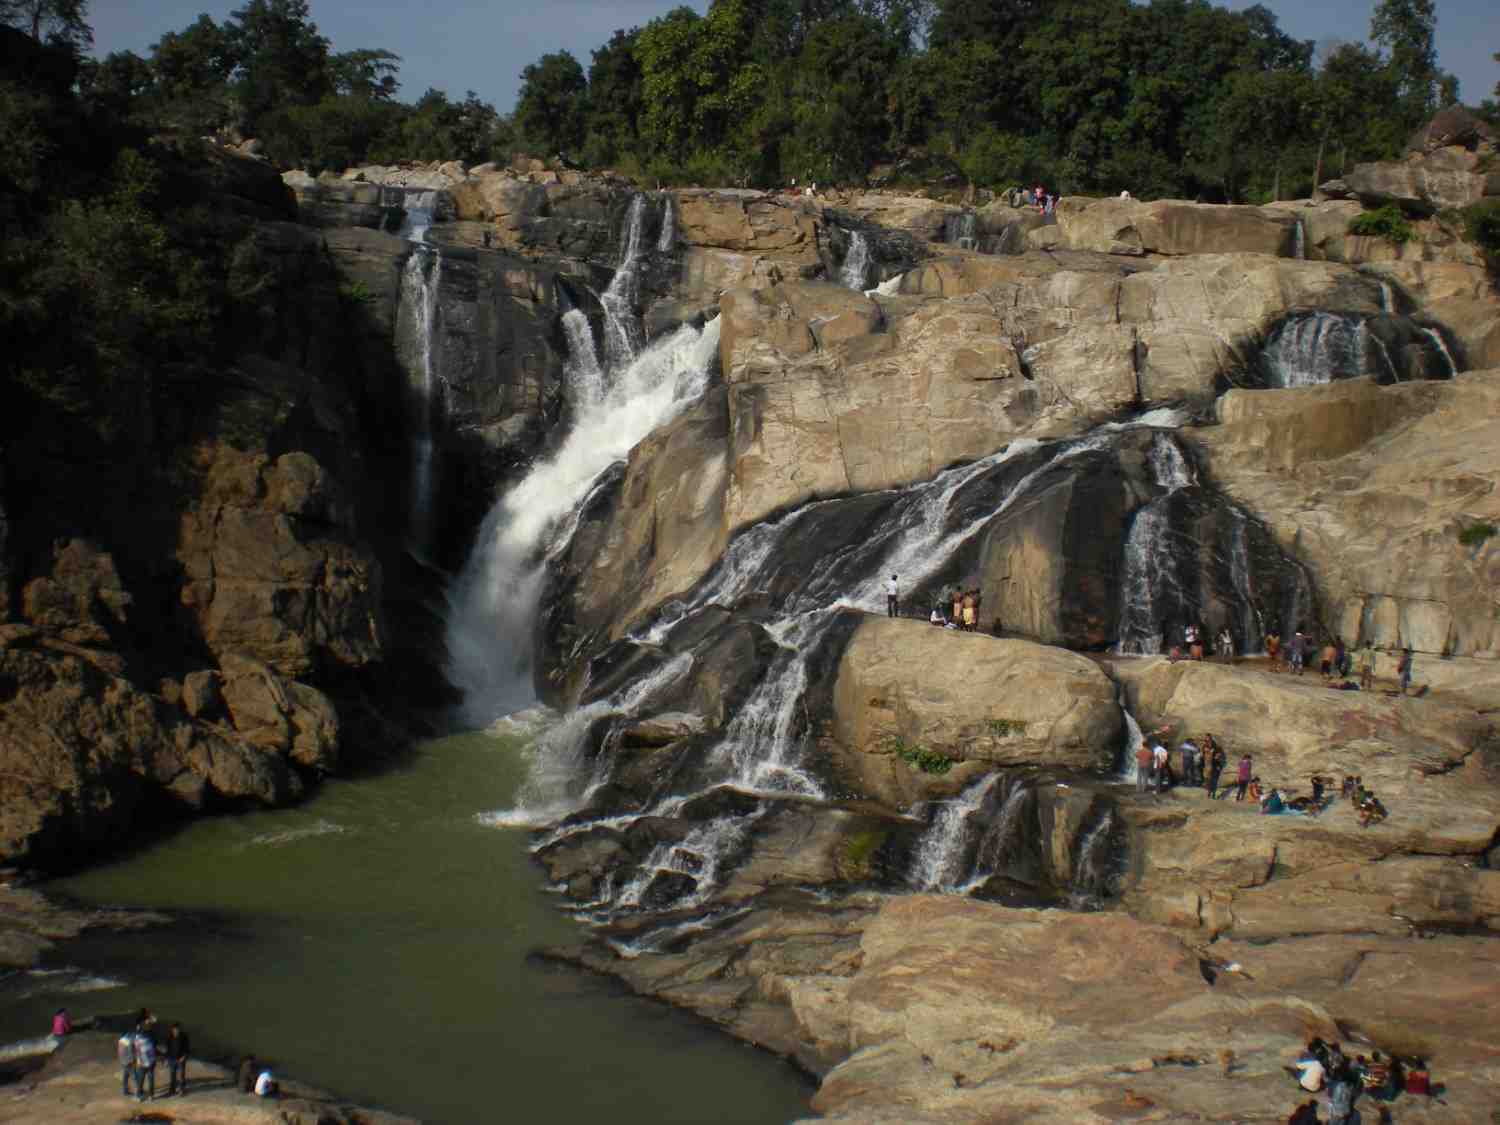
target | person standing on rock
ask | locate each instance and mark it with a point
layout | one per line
(1143, 758)
(969, 610)
(145, 1064)
(1296, 653)
(892, 599)
(1404, 668)
(1273, 649)
(1189, 752)
(958, 607)
(177, 1060)
(62, 1025)
(1216, 762)
(1367, 667)
(125, 1053)
(1242, 778)
(1159, 761)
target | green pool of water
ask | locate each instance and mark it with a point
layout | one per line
(374, 942)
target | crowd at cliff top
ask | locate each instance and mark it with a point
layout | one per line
(1337, 1083)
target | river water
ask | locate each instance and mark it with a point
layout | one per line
(375, 942)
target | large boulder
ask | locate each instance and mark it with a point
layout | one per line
(1172, 227)
(1439, 181)
(903, 684)
(1376, 500)
(748, 222)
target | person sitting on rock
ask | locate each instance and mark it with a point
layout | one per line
(266, 1085)
(1377, 1077)
(1273, 804)
(1305, 1114)
(936, 617)
(1309, 1069)
(1371, 811)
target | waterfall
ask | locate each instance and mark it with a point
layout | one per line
(855, 272)
(1299, 240)
(1003, 842)
(585, 376)
(1387, 298)
(696, 860)
(668, 236)
(416, 326)
(941, 858)
(1252, 625)
(1310, 349)
(1091, 873)
(621, 330)
(419, 207)
(1450, 368)
(763, 745)
(492, 603)
(1152, 581)
(887, 288)
(1134, 739)
(962, 230)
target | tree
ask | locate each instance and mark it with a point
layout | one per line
(366, 74)
(552, 107)
(63, 23)
(1407, 30)
(192, 70)
(614, 100)
(280, 60)
(837, 101)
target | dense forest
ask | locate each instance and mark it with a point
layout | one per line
(1170, 97)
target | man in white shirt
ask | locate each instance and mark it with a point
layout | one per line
(265, 1085)
(1159, 764)
(892, 603)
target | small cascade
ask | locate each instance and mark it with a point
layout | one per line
(683, 874)
(1134, 740)
(1299, 240)
(1005, 844)
(1450, 368)
(1251, 625)
(887, 288)
(764, 744)
(668, 236)
(1093, 877)
(416, 327)
(419, 207)
(1387, 298)
(962, 230)
(622, 332)
(1152, 583)
(855, 272)
(492, 604)
(1315, 348)
(585, 376)
(941, 860)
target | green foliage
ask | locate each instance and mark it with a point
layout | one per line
(857, 852)
(920, 757)
(1476, 534)
(1384, 222)
(1481, 225)
(551, 109)
(1004, 728)
(358, 292)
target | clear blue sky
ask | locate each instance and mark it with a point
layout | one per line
(481, 45)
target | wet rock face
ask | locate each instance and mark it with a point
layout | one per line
(1308, 349)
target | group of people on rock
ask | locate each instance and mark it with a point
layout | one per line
(964, 605)
(142, 1049)
(1339, 1081)
(1201, 763)
(1192, 646)
(1037, 197)
(1335, 661)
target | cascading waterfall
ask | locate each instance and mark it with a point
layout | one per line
(585, 376)
(1004, 842)
(1299, 240)
(1307, 351)
(962, 230)
(855, 272)
(621, 331)
(1387, 298)
(1441, 345)
(493, 602)
(1251, 625)
(668, 236)
(1091, 869)
(942, 856)
(416, 326)
(419, 207)
(1134, 740)
(1151, 582)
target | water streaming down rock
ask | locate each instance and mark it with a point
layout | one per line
(1134, 740)
(1094, 868)
(420, 208)
(855, 272)
(943, 856)
(1251, 625)
(417, 317)
(962, 230)
(668, 236)
(1307, 349)
(622, 331)
(585, 376)
(1299, 240)
(492, 603)
(1151, 588)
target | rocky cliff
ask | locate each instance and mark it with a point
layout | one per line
(1105, 425)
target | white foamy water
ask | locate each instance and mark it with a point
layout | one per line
(492, 604)
(856, 268)
(621, 333)
(939, 861)
(416, 325)
(293, 835)
(1152, 580)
